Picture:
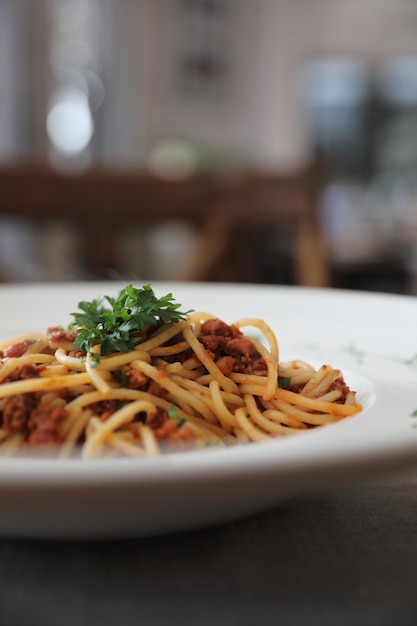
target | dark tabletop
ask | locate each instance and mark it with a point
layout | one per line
(345, 557)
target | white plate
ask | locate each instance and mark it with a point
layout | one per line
(371, 337)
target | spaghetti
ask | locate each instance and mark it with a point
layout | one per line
(186, 383)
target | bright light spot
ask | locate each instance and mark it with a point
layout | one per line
(69, 123)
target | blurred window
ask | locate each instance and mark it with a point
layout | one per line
(204, 33)
(335, 92)
(396, 100)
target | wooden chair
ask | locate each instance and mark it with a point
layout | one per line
(223, 210)
(255, 204)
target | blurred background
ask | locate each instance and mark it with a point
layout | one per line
(269, 141)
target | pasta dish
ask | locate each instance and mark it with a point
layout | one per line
(135, 376)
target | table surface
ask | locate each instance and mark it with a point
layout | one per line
(338, 558)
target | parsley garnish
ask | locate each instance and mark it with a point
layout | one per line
(115, 323)
(284, 383)
(123, 379)
(173, 415)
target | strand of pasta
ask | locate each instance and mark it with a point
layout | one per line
(253, 389)
(4, 434)
(272, 367)
(79, 403)
(232, 409)
(19, 339)
(77, 426)
(125, 394)
(121, 443)
(265, 330)
(11, 445)
(320, 382)
(337, 410)
(167, 383)
(205, 427)
(195, 319)
(42, 384)
(170, 350)
(121, 416)
(315, 419)
(253, 432)
(204, 395)
(226, 383)
(149, 440)
(161, 336)
(272, 412)
(241, 436)
(229, 398)
(106, 363)
(12, 363)
(207, 398)
(54, 370)
(52, 398)
(176, 369)
(350, 400)
(37, 346)
(262, 420)
(222, 412)
(117, 441)
(192, 363)
(121, 393)
(96, 379)
(247, 379)
(286, 419)
(331, 396)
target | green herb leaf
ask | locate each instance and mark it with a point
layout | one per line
(414, 413)
(115, 323)
(172, 411)
(123, 379)
(173, 414)
(284, 383)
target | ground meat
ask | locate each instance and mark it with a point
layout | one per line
(25, 371)
(18, 349)
(169, 430)
(133, 379)
(44, 425)
(226, 364)
(248, 359)
(105, 408)
(215, 334)
(76, 354)
(158, 418)
(16, 412)
(341, 386)
(156, 390)
(231, 350)
(38, 425)
(58, 337)
(179, 357)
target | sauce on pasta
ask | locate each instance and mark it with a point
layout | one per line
(186, 383)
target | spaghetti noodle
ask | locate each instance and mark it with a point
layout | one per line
(189, 382)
